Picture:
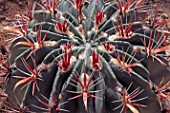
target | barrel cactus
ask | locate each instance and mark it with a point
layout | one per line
(88, 57)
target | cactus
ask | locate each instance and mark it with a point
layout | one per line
(88, 57)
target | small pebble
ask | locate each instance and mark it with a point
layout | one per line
(164, 16)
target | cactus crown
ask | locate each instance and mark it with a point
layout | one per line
(88, 57)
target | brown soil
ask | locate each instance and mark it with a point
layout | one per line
(163, 5)
(9, 8)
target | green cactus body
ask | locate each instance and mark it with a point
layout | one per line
(88, 57)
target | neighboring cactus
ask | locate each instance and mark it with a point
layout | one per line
(88, 57)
